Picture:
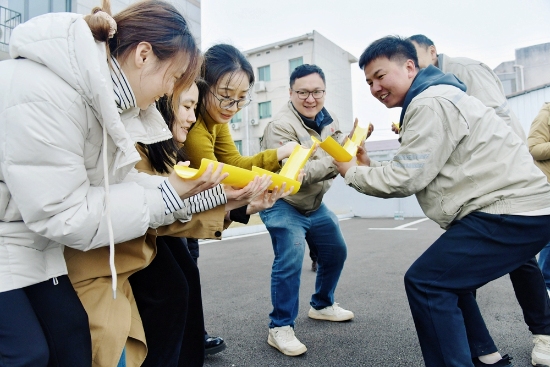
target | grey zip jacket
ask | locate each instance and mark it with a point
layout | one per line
(457, 156)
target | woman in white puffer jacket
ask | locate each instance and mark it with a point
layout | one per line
(72, 100)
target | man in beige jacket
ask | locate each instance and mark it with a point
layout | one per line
(303, 217)
(473, 176)
(527, 280)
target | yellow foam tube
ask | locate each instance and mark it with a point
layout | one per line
(296, 162)
(238, 177)
(332, 147)
(359, 135)
(278, 180)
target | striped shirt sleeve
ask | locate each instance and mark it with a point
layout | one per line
(172, 201)
(206, 200)
(200, 202)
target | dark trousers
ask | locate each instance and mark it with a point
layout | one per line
(193, 247)
(44, 325)
(473, 251)
(530, 289)
(168, 296)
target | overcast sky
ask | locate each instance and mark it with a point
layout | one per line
(486, 30)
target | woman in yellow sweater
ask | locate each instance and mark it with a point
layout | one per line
(224, 86)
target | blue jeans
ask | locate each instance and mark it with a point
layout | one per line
(122, 361)
(289, 230)
(439, 284)
(544, 263)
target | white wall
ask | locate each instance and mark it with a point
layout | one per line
(343, 199)
(526, 106)
(334, 62)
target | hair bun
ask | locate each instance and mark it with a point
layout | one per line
(102, 25)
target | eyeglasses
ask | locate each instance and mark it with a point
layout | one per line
(227, 103)
(304, 94)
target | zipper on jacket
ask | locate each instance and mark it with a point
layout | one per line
(55, 281)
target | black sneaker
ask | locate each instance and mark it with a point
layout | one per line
(504, 362)
(213, 344)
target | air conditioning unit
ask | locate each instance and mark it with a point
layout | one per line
(259, 86)
(235, 126)
(253, 122)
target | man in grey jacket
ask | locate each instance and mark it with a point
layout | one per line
(303, 217)
(473, 176)
(481, 82)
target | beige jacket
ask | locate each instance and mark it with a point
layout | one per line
(539, 139)
(457, 157)
(319, 170)
(482, 83)
(115, 323)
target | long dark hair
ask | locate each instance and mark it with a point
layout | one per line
(219, 60)
(163, 155)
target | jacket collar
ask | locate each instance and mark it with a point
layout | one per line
(321, 120)
(124, 96)
(426, 78)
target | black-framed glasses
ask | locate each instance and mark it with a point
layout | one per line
(227, 103)
(304, 94)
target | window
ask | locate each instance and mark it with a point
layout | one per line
(264, 109)
(238, 117)
(294, 63)
(32, 8)
(264, 73)
(239, 145)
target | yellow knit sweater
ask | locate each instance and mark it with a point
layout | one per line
(208, 139)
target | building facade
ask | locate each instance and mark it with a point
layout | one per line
(14, 12)
(529, 70)
(273, 65)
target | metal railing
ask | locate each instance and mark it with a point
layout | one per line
(9, 19)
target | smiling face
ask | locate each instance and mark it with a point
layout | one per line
(390, 81)
(231, 85)
(149, 77)
(310, 106)
(186, 113)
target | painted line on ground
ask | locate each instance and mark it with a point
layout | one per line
(202, 242)
(402, 227)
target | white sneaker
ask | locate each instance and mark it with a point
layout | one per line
(331, 313)
(540, 356)
(283, 339)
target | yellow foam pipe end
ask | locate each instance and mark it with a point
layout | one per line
(332, 147)
(278, 180)
(296, 162)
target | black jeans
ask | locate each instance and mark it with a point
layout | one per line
(168, 296)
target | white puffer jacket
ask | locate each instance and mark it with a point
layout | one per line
(56, 97)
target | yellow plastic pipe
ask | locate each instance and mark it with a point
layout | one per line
(278, 180)
(332, 147)
(345, 153)
(296, 161)
(238, 177)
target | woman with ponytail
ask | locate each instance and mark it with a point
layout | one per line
(76, 95)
